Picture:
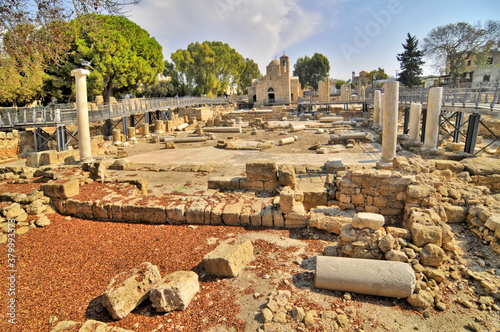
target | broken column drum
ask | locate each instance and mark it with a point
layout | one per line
(365, 276)
(414, 130)
(116, 134)
(131, 133)
(82, 114)
(432, 122)
(145, 129)
(390, 128)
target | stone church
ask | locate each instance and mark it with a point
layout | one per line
(278, 86)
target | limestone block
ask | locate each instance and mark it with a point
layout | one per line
(456, 214)
(61, 188)
(48, 157)
(422, 235)
(216, 214)
(36, 207)
(295, 220)
(66, 325)
(174, 291)
(493, 222)
(347, 233)
(365, 276)
(368, 220)
(144, 213)
(13, 211)
(330, 219)
(176, 212)
(420, 191)
(78, 208)
(452, 165)
(278, 219)
(255, 214)
(229, 258)
(423, 299)
(432, 255)
(33, 159)
(128, 289)
(315, 198)
(482, 166)
(287, 199)
(286, 176)
(254, 185)
(231, 214)
(195, 213)
(267, 216)
(262, 171)
(396, 256)
(387, 243)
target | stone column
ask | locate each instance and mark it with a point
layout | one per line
(390, 130)
(432, 123)
(376, 108)
(382, 108)
(145, 129)
(82, 114)
(131, 134)
(116, 134)
(363, 93)
(414, 130)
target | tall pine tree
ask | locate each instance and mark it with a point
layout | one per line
(411, 62)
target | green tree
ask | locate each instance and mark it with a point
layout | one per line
(452, 44)
(210, 67)
(339, 83)
(378, 74)
(411, 62)
(250, 72)
(121, 55)
(21, 69)
(311, 70)
(34, 37)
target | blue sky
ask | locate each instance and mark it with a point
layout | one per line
(354, 35)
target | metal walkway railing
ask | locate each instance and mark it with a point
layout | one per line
(65, 114)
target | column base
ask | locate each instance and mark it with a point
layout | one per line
(384, 165)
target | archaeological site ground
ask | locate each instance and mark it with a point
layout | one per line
(355, 213)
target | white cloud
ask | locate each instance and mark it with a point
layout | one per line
(258, 29)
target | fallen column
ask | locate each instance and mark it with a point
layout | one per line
(288, 140)
(222, 129)
(297, 128)
(365, 276)
(327, 119)
(182, 126)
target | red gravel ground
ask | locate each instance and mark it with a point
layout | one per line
(63, 269)
(22, 188)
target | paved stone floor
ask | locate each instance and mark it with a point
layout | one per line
(211, 155)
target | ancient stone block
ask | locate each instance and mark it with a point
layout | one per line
(229, 258)
(368, 220)
(174, 291)
(493, 222)
(455, 214)
(286, 176)
(432, 255)
(420, 191)
(262, 171)
(176, 212)
(231, 214)
(313, 199)
(33, 159)
(330, 219)
(422, 235)
(128, 289)
(48, 157)
(195, 213)
(144, 213)
(278, 219)
(216, 214)
(453, 166)
(61, 188)
(267, 216)
(80, 208)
